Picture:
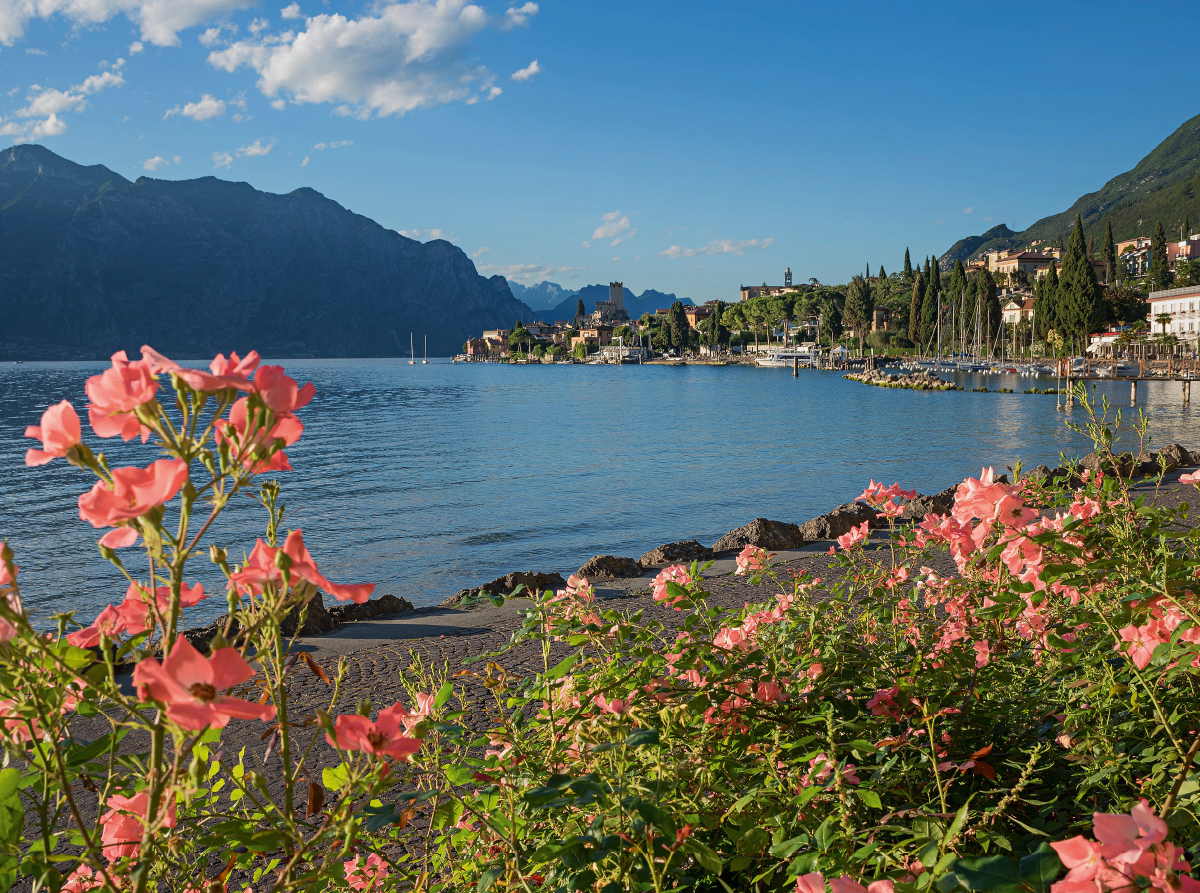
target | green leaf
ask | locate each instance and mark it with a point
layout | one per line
(335, 778)
(869, 797)
(443, 695)
(459, 775)
(1041, 867)
(989, 873)
(9, 782)
(642, 737)
(955, 826)
(563, 666)
(704, 855)
(487, 879)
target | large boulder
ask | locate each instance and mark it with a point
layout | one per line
(937, 504)
(533, 582)
(675, 553)
(383, 606)
(838, 522)
(762, 532)
(609, 567)
(316, 621)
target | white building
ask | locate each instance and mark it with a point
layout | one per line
(1180, 304)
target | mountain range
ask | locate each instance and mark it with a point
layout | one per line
(1164, 186)
(564, 302)
(92, 263)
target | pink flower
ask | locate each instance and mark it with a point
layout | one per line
(135, 610)
(116, 393)
(616, 706)
(753, 559)
(847, 884)
(677, 574)
(122, 826)
(1190, 478)
(231, 373)
(983, 654)
(855, 536)
(770, 691)
(16, 725)
(1142, 642)
(814, 882)
(190, 686)
(83, 879)
(133, 492)
(261, 569)
(821, 767)
(279, 392)
(252, 442)
(381, 738)
(110, 624)
(364, 876)
(1124, 838)
(59, 432)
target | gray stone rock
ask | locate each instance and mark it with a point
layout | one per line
(937, 504)
(762, 532)
(838, 522)
(507, 584)
(383, 606)
(609, 567)
(675, 553)
(316, 622)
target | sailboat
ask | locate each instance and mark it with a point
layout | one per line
(412, 357)
(425, 362)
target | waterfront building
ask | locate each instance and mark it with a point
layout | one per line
(1017, 309)
(612, 310)
(880, 319)
(477, 348)
(1180, 304)
(697, 315)
(749, 292)
(593, 336)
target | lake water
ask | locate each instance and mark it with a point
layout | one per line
(429, 479)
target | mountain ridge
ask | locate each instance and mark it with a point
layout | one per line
(93, 262)
(1164, 185)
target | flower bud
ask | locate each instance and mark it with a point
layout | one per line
(217, 555)
(282, 560)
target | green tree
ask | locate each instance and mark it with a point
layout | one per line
(1125, 306)
(990, 314)
(914, 310)
(907, 273)
(1160, 268)
(882, 273)
(1187, 229)
(929, 312)
(856, 315)
(676, 326)
(580, 313)
(1111, 273)
(1080, 307)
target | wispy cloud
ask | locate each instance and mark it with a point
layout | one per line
(206, 107)
(336, 144)
(968, 210)
(291, 11)
(528, 272)
(615, 226)
(518, 16)
(47, 103)
(719, 246)
(480, 252)
(222, 159)
(33, 51)
(257, 148)
(434, 233)
(524, 74)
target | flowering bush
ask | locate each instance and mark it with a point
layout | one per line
(893, 729)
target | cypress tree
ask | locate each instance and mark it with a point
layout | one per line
(1187, 228)
(882, 274)
(856, 314)
(935, 278)
(1079, 304)
(914, 310)
(1039, 310)
(1052, 302)
(907, 273)
(1110, 255)
(968, 309)
(1160, 269)
(1091, 249)
(929, 312)
(580, 313)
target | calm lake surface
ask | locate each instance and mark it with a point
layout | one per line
(429, 479)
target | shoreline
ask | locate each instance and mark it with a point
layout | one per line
(451, 619)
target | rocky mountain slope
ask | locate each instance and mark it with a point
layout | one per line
(635, 305)
(1164, 186)
(91, 263)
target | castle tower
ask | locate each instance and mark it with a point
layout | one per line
(616, 294)
(787, 278)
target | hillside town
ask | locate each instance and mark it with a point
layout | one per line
(1001, 303)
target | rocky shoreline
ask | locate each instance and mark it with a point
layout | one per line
(916, 381)
(769, 534)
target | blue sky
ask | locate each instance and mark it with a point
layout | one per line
(687, 147)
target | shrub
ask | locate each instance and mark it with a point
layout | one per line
(893, 730)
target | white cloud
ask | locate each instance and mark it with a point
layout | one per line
(47, 103)
(304, 163)
(222, 159)
(36, 52)
(988, 219)
(400, 57)
(153, 164)
(160, 21)
(719, 246)
(291, 11)
(480, 252)
(527, 72)
(176, 159)
(434, 233)
(259, 25)
(207, 107)
(528, 272)
(968, 210)
(135, 48)
(336, 144)
(256, 149)
(516, 17)
(614, 224)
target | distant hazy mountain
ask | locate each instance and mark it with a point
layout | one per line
(635, 305)
(91, 263)
(541, 296)
(1164, 186)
